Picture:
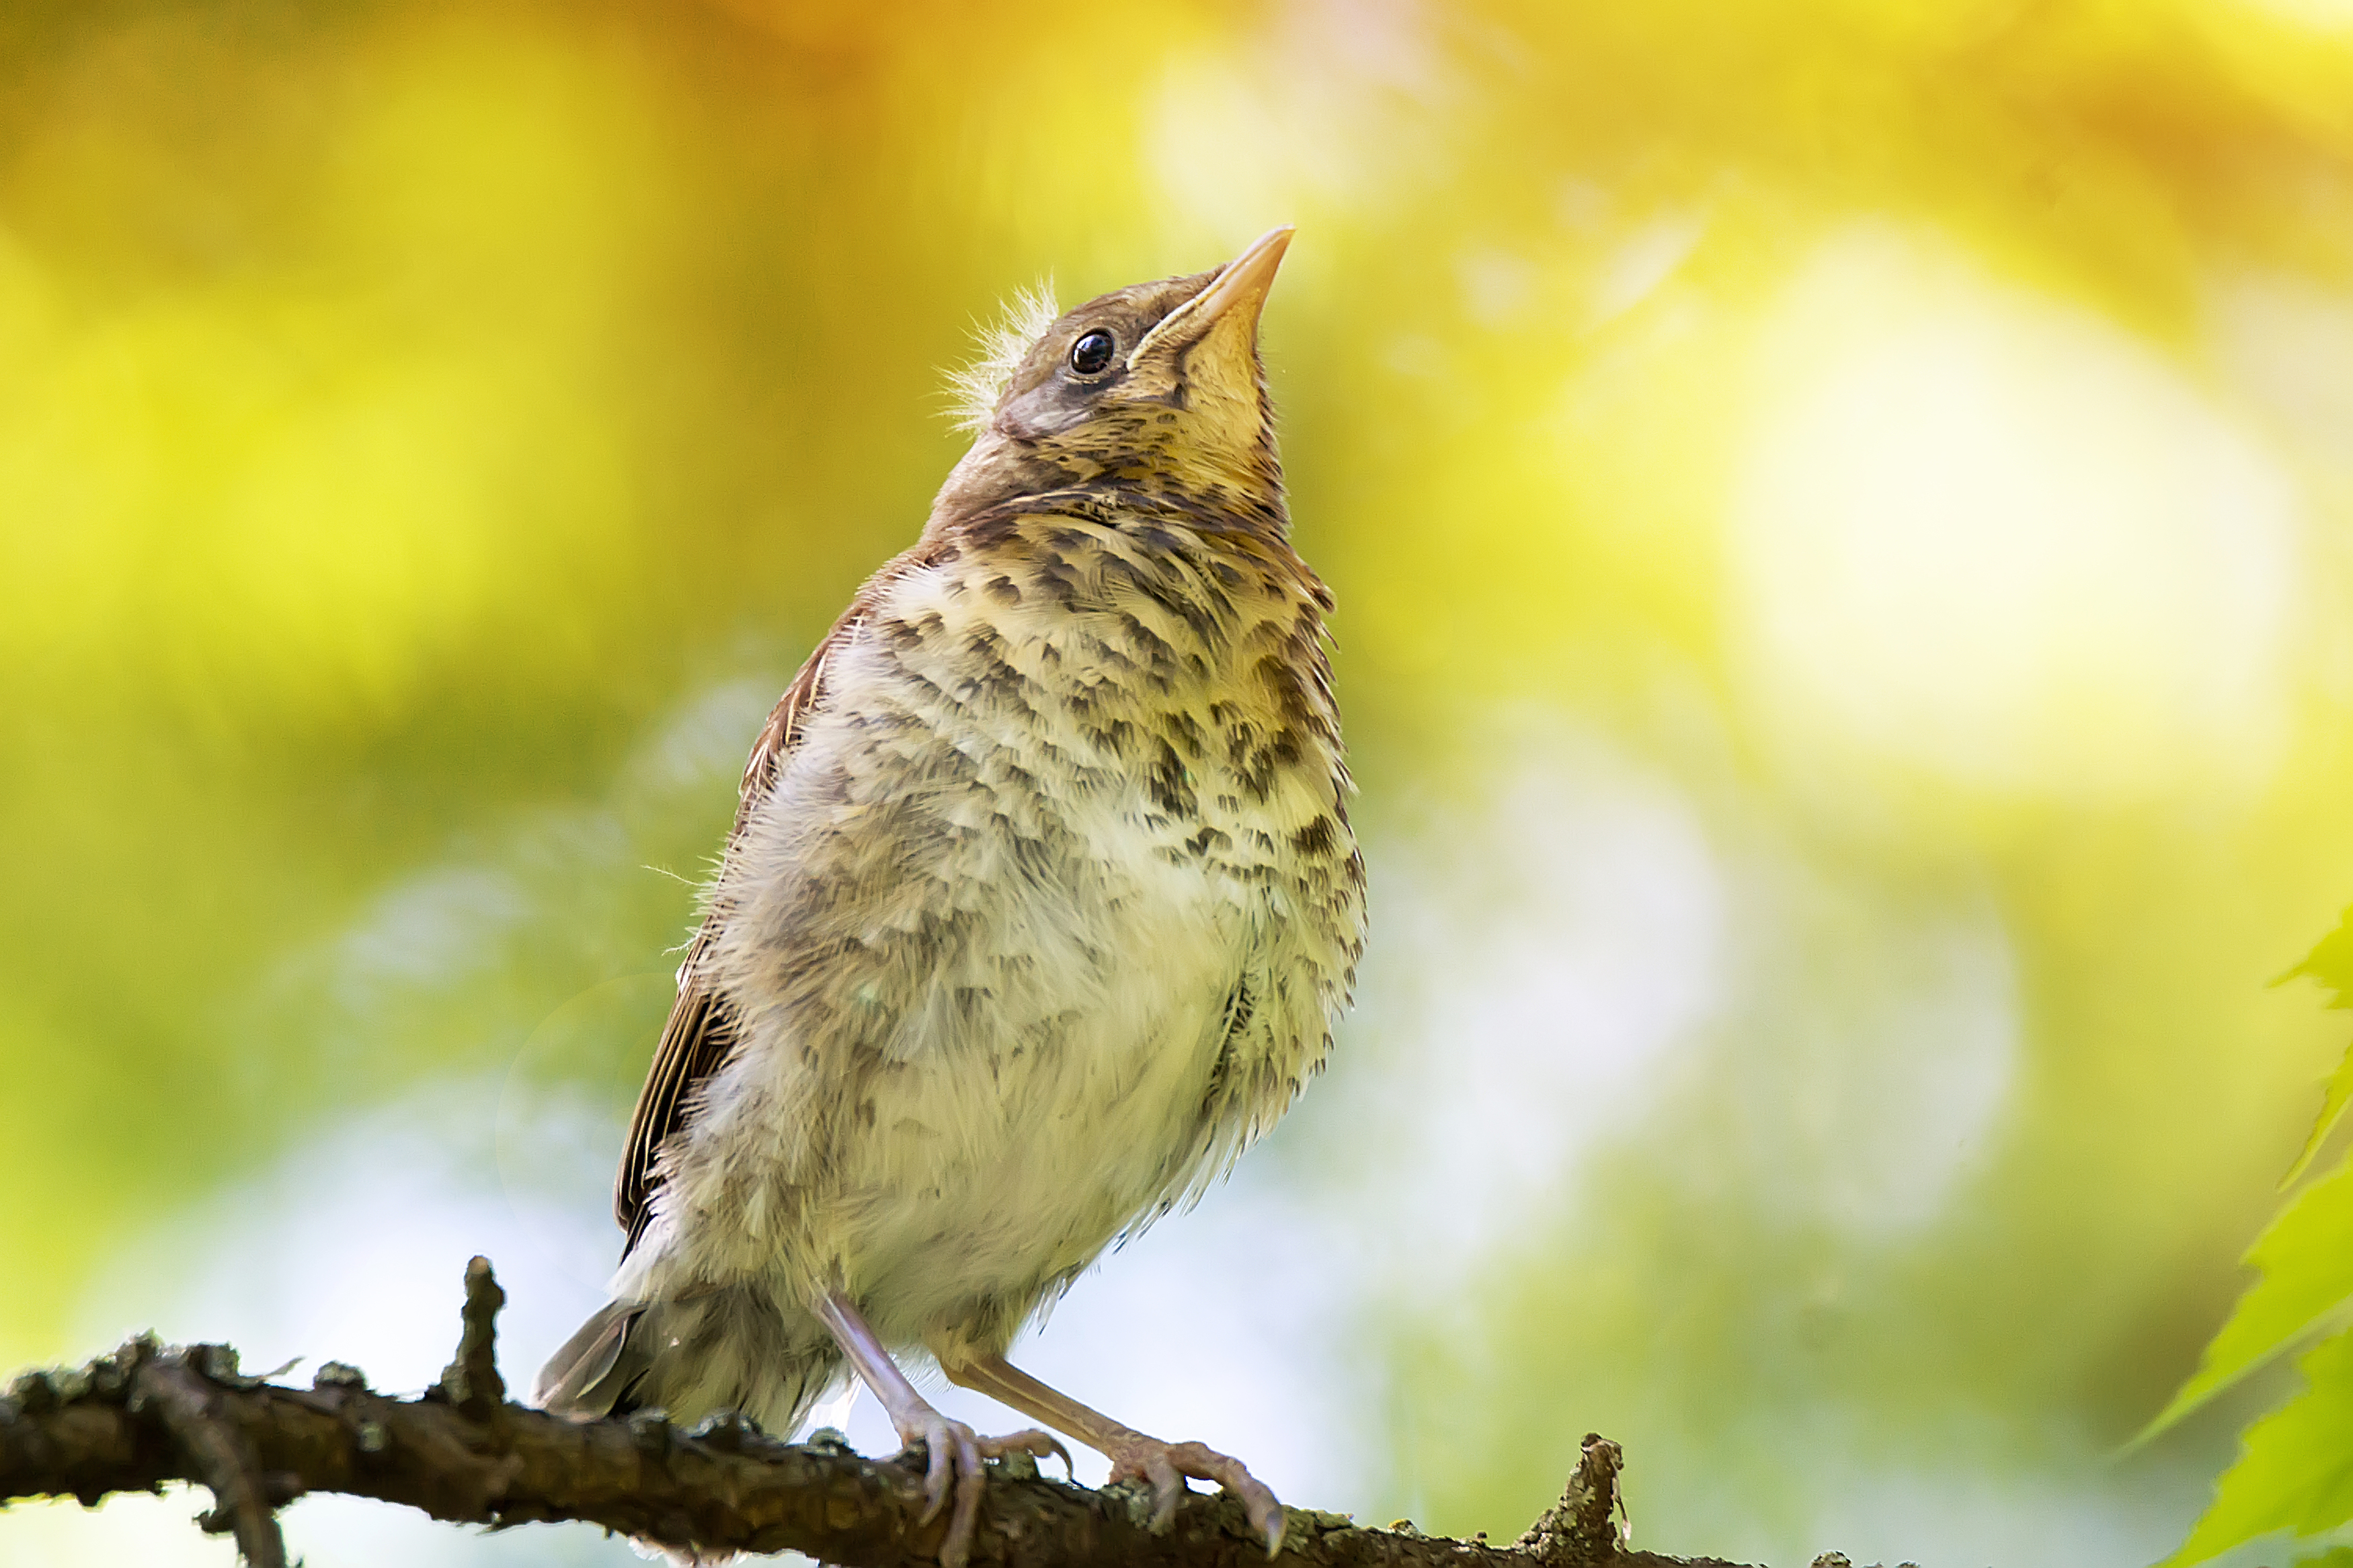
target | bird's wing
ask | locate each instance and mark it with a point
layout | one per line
(701, 1031)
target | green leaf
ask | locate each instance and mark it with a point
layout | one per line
(2295, 1466)
(2305, 1256)
(2332, 1108)
(2331, 963)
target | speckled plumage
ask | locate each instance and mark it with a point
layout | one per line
(1040, 904)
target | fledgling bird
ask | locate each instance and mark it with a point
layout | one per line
(1040, 904)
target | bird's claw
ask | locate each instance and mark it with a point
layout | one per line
(1036, 1444)
(1165, 1466)
(952, 1455)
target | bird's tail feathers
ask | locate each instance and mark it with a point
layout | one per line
(731, 1348)
(578, 1380)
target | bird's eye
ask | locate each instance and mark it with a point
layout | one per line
(1092, 351)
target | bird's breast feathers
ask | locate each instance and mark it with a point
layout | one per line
(1058, 879)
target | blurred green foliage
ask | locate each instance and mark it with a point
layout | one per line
(1839, 514)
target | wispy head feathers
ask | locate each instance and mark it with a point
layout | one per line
(972, 390)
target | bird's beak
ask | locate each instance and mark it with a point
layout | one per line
(1241, 284)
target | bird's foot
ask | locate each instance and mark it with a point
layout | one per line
(953, 1455)
(1165, 1466)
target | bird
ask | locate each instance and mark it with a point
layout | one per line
(1041, 902)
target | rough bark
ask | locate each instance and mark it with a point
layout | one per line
(150, 1414)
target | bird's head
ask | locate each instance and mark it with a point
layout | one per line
(1155, 386)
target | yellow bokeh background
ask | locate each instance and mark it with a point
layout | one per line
(1842, 519)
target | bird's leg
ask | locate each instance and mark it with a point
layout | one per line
(951, 1449)
(1134, 1456)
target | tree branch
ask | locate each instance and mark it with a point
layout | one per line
(149, 1414)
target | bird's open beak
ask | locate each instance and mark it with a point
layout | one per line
(1240, 283)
